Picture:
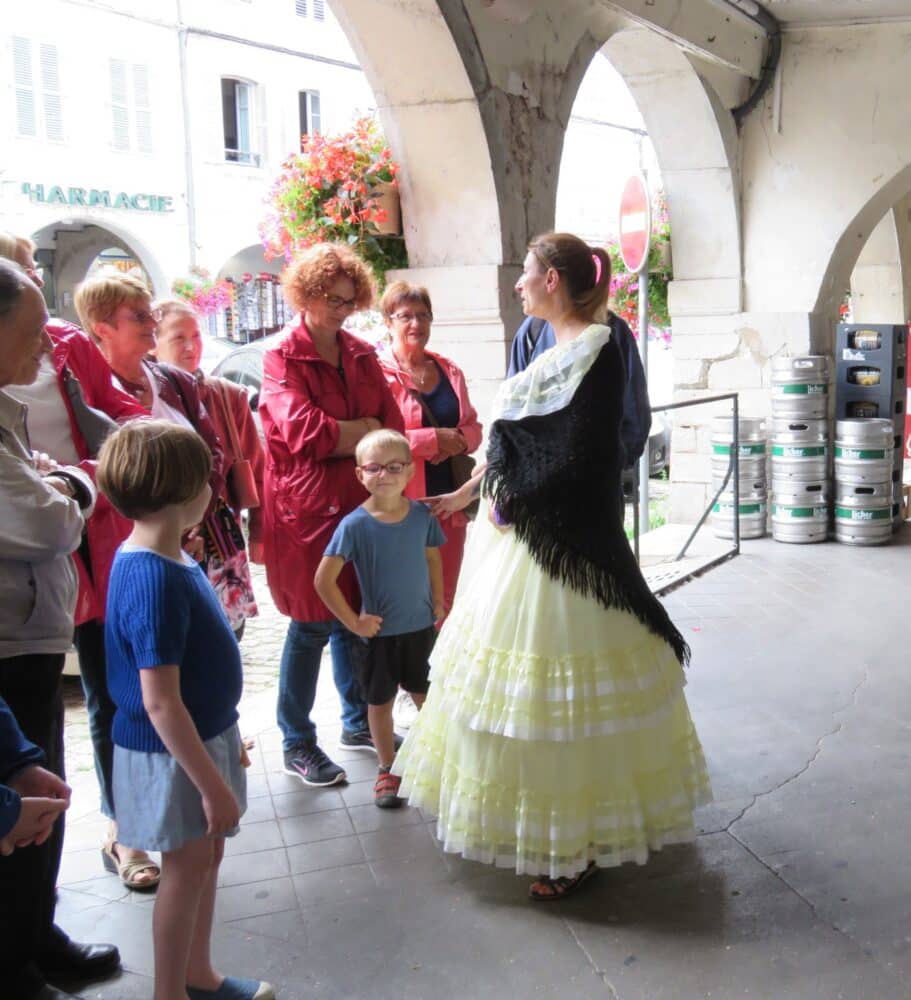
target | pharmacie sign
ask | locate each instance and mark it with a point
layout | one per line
(79, 197)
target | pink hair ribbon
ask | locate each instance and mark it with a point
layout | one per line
(597, 262)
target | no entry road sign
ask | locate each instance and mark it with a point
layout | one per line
(635, 223)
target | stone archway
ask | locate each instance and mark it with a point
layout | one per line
(878, 236)
(695, 142)
(76, 243)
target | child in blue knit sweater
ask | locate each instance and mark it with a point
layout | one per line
(174, 673)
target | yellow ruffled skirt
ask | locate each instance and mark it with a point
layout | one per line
(555, 732)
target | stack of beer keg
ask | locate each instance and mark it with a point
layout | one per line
(800, 449)
(864, 459)
(752, 475)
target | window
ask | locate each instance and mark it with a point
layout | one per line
(237, 113)
(39, 103)
(308, 102)
(318, 8)
(131, 113)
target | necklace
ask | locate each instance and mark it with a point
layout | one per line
(422, 375)
(135, 389)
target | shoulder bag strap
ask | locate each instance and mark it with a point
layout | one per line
(174, 381)
(219, 390)
(423, 404)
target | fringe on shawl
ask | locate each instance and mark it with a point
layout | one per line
(556, 480)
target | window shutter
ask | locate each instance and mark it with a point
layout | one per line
(143, 109)
(300, 8)
(319, 10)
(24, 86)
(315, 116)
(53, 100)
(120, 111)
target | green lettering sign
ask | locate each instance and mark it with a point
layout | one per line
(79, 197)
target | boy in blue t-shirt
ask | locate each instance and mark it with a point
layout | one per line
(394, 545)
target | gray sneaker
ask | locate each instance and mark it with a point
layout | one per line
(362, 740)
(313, 767)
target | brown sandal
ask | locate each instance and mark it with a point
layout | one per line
(561, 887)
(129, 872)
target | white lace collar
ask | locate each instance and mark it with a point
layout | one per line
(551, 380)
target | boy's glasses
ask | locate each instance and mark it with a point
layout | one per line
(375, 468)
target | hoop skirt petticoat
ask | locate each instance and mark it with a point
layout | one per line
(555, 731)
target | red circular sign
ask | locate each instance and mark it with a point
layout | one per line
(635, 223)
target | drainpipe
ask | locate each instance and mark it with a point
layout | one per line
(187, 138)
(760, 16)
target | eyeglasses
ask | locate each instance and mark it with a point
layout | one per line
(142, 316)
(375, 468)
(337, 302)
(420, 317)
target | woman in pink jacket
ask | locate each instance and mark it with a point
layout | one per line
(440, 421)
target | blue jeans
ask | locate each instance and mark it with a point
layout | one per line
(298, 675)
(98, 703)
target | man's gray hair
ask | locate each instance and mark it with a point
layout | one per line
(13, 281)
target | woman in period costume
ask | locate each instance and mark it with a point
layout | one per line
(556, 737)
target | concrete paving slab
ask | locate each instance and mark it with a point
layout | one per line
(797, 888)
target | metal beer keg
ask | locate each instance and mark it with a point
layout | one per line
(800, 387)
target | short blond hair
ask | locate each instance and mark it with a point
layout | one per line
(147, 465)
(98, 298)
(383, 438)
(9, 244)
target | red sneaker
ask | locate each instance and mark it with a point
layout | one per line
(386, 791)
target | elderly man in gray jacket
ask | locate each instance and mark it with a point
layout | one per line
(43, 512)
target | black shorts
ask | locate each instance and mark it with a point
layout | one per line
(388, 662)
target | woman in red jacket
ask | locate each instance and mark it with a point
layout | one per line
(440, 421)
(322, 392)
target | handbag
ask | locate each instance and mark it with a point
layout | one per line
(94, 425)
(240, 481)
(461, 466)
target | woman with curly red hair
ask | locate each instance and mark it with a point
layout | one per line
(322, 391)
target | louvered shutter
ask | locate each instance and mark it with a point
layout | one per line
(52, 97)
(120, 111)
(26, 123)
(300, 8)
(319, 10)
(143, 109)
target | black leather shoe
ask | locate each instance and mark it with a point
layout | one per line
(68, 960)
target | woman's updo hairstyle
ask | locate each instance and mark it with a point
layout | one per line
(584, 270)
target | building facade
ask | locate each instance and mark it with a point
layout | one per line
(149, 134)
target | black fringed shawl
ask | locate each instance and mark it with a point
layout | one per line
(556, 480)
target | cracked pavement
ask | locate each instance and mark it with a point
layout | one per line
(796, 886)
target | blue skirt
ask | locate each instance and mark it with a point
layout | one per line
(157, 807)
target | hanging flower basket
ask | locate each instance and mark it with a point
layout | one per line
(205, 295)
(338, 189)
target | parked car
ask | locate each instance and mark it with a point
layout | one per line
(244, 366)
(659, 453)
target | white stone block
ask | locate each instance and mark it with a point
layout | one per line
(704, 297)
(689, 373)
(705, 346)
(691, 467)
(735, 374)
(687, 502)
